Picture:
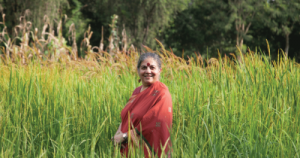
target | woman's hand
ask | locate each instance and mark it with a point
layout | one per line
(118, 138)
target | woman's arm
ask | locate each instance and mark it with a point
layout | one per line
(119, 129)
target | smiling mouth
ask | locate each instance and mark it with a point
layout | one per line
(148, 75)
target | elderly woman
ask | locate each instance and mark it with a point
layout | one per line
(148, 113)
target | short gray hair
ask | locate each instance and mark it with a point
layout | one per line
(149, 55)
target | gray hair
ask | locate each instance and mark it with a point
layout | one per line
(149, 55)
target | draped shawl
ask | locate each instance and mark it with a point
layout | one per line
(150, 115)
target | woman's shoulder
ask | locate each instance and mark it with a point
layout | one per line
(163, 88)
(164, 93)
(137, 90)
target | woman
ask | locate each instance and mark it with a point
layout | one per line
(148, 113)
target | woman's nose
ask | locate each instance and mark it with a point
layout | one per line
(148, 69)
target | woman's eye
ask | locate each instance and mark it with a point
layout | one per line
(152, 67)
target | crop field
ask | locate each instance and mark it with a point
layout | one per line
(61, 106)
(72, 109)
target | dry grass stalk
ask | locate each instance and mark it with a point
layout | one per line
(49, 47)
(112, 36)
(72, 30)
(124, 39)
(101, 42)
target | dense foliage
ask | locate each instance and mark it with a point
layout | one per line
(207, 27)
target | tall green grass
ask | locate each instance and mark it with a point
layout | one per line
(222, 109)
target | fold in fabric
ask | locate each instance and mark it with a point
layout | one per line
(149, 113)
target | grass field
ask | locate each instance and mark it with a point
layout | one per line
(224, 109)
(53, 104)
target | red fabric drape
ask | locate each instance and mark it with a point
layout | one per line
(150, 114)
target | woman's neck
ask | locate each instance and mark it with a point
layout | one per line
(144, 88)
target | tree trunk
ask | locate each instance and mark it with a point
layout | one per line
(239, 43)
(287, 44)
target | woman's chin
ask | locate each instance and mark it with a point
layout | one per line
(148, 82)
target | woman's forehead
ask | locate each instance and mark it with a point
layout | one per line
(149, 61)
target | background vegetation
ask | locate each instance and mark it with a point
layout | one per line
(69, 108)
(61, 94)
(189, 26)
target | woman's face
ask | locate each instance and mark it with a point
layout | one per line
(149, 71)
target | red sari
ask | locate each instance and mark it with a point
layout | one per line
(150, 114)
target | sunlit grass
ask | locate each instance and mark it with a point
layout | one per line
(220, 110)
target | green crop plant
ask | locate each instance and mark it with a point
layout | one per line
(221, 109)
(71, 107)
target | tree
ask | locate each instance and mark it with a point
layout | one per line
(243, 13)
(33, 10)
(216, 24)
(283, 15)
(143, 20)
(201, 28)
